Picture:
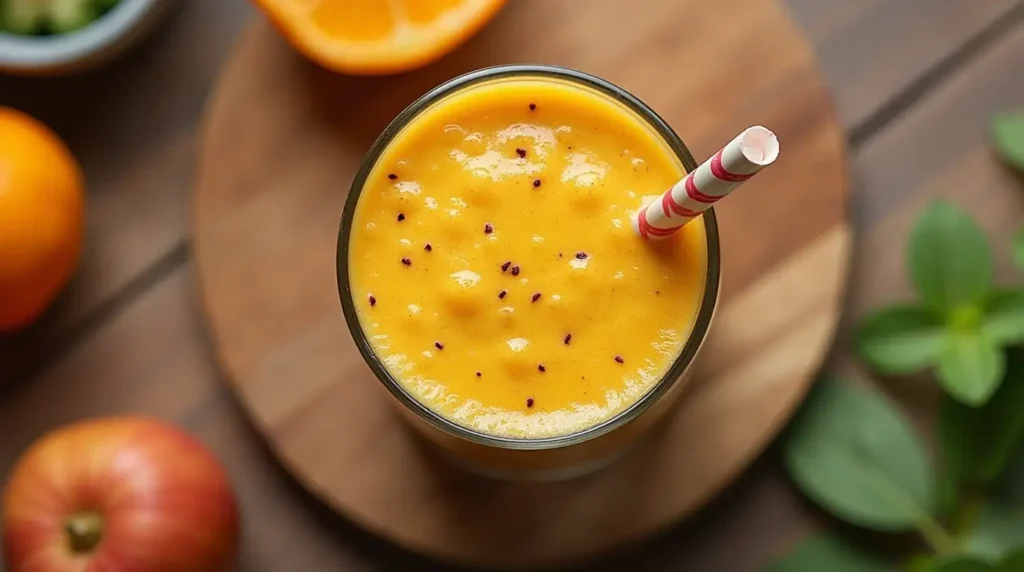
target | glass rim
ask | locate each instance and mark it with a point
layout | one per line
(702, 320)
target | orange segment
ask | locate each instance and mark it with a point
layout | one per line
(378, 36)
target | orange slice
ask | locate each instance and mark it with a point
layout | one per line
(370, 37)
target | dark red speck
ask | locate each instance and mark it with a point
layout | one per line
(392, 176)
(373, 301)
(505, 266)
(439, 345)
(529, 402)
(536, 183)
(488, 228)
(619, 359)
(541, 367)
(501, 295)
(478, 374)
(581, 255)
(515, 271)
(406, 261)
(521, 152)
(533, 106)
(568, 338)
(401, 217)
(427, 247)
(536, 296)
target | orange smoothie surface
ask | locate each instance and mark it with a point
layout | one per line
(494, 269)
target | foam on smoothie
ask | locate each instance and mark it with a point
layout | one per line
(494, 270)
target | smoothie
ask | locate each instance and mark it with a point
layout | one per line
(493, 268)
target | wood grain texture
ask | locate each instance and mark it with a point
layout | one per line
(873, 50)
(282, 141)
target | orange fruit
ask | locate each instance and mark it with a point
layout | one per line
(41, 218)
(369, 37)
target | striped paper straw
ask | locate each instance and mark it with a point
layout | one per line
(739, 160)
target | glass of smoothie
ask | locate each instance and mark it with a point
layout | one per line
(492, 282)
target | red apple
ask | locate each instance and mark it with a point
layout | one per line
(122, 494)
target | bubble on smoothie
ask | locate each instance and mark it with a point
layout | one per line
(517, 345)
(519, 357)
(506, 319)
(397, 364)
(429, 389)
(409, 187)
(465, 278)
(473, 144)
(537, 136)
(460, 294)
(494, 165)
(584, 170)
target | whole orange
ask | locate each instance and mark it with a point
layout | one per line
(42, 212)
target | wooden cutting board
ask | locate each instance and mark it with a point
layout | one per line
(282, 141)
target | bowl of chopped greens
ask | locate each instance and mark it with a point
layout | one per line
(49, 37)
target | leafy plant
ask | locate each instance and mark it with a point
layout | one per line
(1008, 136)
(852, 452)
(975, 444)
(831, 554)
(962, 323)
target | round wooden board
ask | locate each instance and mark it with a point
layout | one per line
(282, 141)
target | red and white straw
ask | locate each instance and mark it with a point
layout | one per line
(739, 160)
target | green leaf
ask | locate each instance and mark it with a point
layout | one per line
(1003, 321)
(854, 454)
(1018, 248)
(1013, 563)
(827, 553)
(901, 339)
(962, 564)
(971, 367)
(977, 443)
(1010, 488)
(998, 532)
(920, 564)
(950, 258)
(1008, 136)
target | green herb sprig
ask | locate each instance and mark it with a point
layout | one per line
(852, 451)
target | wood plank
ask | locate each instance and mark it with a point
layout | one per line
(870, 50)
(132, 125)
(938, 148)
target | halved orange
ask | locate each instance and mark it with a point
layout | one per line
(371, 37)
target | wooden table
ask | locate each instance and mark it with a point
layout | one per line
(915, 82)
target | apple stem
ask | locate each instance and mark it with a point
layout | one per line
(85, 530)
